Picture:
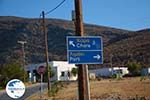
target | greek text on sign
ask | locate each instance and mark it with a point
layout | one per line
(84, 43)
(85, 50)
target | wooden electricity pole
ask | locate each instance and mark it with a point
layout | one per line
(83, 87)
(23, 59)
(46, 52)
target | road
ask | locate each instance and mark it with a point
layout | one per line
(29, 91)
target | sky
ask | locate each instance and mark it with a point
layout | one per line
(124, 14)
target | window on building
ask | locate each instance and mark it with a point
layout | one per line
(62, 74)
(69, 74)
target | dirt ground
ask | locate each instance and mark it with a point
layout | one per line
(109, 89)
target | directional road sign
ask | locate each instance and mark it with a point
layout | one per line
(85, 49)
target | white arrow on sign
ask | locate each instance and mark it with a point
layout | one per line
(71, 43)
(97, 57)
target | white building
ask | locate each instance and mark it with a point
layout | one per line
(61, 69)
(145, 72)
(108, 72)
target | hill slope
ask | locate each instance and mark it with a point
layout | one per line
(13, 29)
(133, 48)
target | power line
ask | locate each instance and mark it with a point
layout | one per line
(40, 16)
(55, 7)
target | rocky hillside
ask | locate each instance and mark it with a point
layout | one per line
(122, 45)
(134, 48)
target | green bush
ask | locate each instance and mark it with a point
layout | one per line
(11, 70)
(74, 71)
(142, 78)
(52, 73)
(114, 76)
(1, 88)
(134, 68)
(55, 88)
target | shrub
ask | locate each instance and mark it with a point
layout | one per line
(74, 71)
(11, 70)
(134, 68)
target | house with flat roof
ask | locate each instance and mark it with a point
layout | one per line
(62, 70)
(108, 72)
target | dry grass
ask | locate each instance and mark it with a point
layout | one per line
(126, 88)
(100, 90)
(27, 84)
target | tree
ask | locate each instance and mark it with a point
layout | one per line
(74, 71)
(11, 70)
(134, 68)
(52, 73)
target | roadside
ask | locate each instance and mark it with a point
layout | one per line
(107, 89)
(30, 90)
(56, 87)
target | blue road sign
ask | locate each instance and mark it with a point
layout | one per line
(84, 43)
(85, 57)
(85, 49)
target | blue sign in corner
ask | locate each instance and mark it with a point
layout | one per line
(84, 50)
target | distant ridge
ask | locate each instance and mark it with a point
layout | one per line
(117, 42)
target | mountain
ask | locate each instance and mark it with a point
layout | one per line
(121, 44)
(134, 48)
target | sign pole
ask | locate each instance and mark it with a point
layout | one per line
(82, 71)
(41, 70)
(41, 86)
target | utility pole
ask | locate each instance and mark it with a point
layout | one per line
(23, 58)
(82, 69)
(46, 52)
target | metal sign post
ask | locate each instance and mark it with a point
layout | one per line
(41, 70)
(41, 86)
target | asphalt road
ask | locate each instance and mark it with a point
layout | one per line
(29, 91)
